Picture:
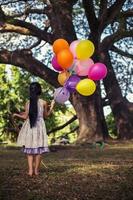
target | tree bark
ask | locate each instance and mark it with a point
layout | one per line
(88, 114)
(121, 108)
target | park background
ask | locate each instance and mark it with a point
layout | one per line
(27, 32)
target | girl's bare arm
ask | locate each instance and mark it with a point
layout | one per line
(48, 110)
(23, 115)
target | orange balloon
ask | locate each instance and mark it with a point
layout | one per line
(63, 76)
(59, 45)
(65, 58)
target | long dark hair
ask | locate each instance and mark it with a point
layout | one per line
(35, 91)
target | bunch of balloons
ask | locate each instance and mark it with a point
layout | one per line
(73, 62)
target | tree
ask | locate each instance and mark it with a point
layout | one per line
(56, 21)
(121, 108)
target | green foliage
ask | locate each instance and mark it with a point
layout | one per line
(111, 126)
(14, 93)
(12, 96)
(67, 131)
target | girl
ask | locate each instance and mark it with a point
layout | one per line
(33, 136)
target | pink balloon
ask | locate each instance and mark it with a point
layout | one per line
(55, 64)
(84, 66)
(97, 71)
(73, 46)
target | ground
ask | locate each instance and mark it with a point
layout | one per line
(72, 173)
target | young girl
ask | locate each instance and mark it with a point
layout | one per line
(33, 136)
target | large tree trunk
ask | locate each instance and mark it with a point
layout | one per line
(88, 114)
(61, 19)
(121, 108)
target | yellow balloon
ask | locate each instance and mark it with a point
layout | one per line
(85, 49)
(86, 87)
(63, 76)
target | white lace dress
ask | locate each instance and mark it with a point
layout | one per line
(34, 140)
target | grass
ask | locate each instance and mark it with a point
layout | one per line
(72, 173)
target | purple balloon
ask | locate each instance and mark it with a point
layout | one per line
(55, 64)
(97, 71)
(61, 95)
(1, 23)
(72, 82)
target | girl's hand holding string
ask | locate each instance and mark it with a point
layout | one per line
(48, 108)
(52, 105)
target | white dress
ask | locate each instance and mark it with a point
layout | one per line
(34, 140)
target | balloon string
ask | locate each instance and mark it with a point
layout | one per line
(73, 68)
(71, 73)
(43, 164)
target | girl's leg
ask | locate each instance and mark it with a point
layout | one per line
(37, 163)
(30, 164)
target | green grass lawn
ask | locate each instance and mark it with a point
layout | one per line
(72, 173)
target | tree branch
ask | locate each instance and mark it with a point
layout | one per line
(24, 60)
(72, 131)
(35, 44)
(103, 7)
(108, 41)
(22, 27)
(114, 10)
(90, 14)
(16, 29)
(123, 53)
(9, 2)
(34, 31)
(63, 126)
(107, 16)
(102, 15)
(128, 13)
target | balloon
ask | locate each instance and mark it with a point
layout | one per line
(65, 58)
(63, 76)
(97, 71)
(83, 67)
(59, 45)
(85, 49)
(73, 46)
(72, 82)
(61, 95)
(86, 87)
(55, 64)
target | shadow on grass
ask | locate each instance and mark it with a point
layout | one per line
(71, 174)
